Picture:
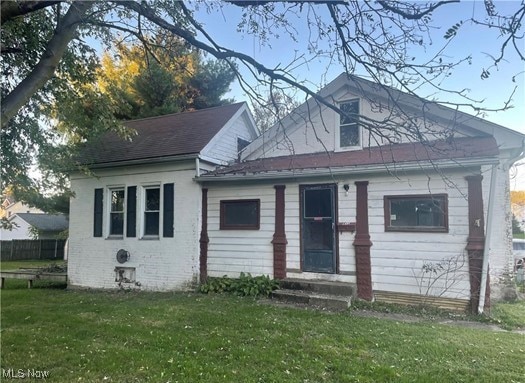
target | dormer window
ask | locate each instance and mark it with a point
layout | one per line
(349, 132)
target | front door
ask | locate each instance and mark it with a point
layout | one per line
(318, 228)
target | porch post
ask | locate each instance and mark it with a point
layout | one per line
(362, 243)
(476, 239)
(279, 237)
(204, 239)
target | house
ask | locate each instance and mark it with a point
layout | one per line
(137, 218)
(403, 198)
(34, 226)
(11, 206)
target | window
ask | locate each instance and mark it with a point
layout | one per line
(151, 210)
(349, 133)
(241, 144)
(240, 215)
(423, 213)
(116, 213)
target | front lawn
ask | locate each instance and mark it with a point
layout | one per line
(93, 336)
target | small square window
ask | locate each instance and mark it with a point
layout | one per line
(151, 210)
(116, 213)
(422, 213)
(349, 133)
(240, 215)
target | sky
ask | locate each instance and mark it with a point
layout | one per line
(479, 42)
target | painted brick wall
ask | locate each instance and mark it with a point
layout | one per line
(160, 264)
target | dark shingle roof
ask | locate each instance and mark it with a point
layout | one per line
(46, 222)
(454, 149)
(164, 136)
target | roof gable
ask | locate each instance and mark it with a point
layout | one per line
(312, 121)
(171, 135)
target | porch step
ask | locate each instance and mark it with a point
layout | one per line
(319, 287)
(327, 301)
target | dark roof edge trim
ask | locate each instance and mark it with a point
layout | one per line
(143, 161)
(386, 168)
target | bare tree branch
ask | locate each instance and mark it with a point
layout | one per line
(414, 15)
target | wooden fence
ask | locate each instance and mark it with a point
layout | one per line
(21, 249)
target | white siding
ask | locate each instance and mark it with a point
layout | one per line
(231, 252)
(314, 130)
(223, 147)
(20, 231)
(397, 258)
(162, 264)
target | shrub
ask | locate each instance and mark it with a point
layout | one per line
(245, 285)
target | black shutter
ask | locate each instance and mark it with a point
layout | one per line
(131, 212)
(167, 213)
(98, 213)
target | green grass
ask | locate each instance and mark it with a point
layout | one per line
(519, 235)
(94, 336)
(511, 315)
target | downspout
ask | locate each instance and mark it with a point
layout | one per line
(197, 167)
(488, 227)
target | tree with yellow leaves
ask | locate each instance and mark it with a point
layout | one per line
(167, 78)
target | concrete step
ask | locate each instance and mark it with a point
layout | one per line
(326, 301)
(321, 287)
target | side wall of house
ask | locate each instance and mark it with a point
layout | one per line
(401, 262)
(21, 231)
(158, 263)
(231, 252)
(223, 147)
(433, 264)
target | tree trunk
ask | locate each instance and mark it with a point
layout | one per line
(48, 63)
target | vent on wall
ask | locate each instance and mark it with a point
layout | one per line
(122, 256)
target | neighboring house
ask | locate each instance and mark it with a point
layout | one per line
(316, 197)
(10, 206)
(144, 201)
(31, 225)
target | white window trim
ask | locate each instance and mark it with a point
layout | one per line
(337, 129)
(107, 212)
(142, 205)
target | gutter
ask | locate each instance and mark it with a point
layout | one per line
(488, 236)
(347, 170)
(142, 161)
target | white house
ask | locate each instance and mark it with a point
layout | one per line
(141, 199)
(402, 197)
(34, 226)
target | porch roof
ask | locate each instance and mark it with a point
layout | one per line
(455, 152)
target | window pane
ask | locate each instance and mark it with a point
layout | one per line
(417, 212)
(318, 235)
(318, 203)
(116, 224)
(349, 135)
(352, 108)
(151, 223)
(153, 199)
(240, 214)
(117, 200)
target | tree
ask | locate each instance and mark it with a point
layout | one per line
(46, 60)
(273, 110)
(144, 83)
